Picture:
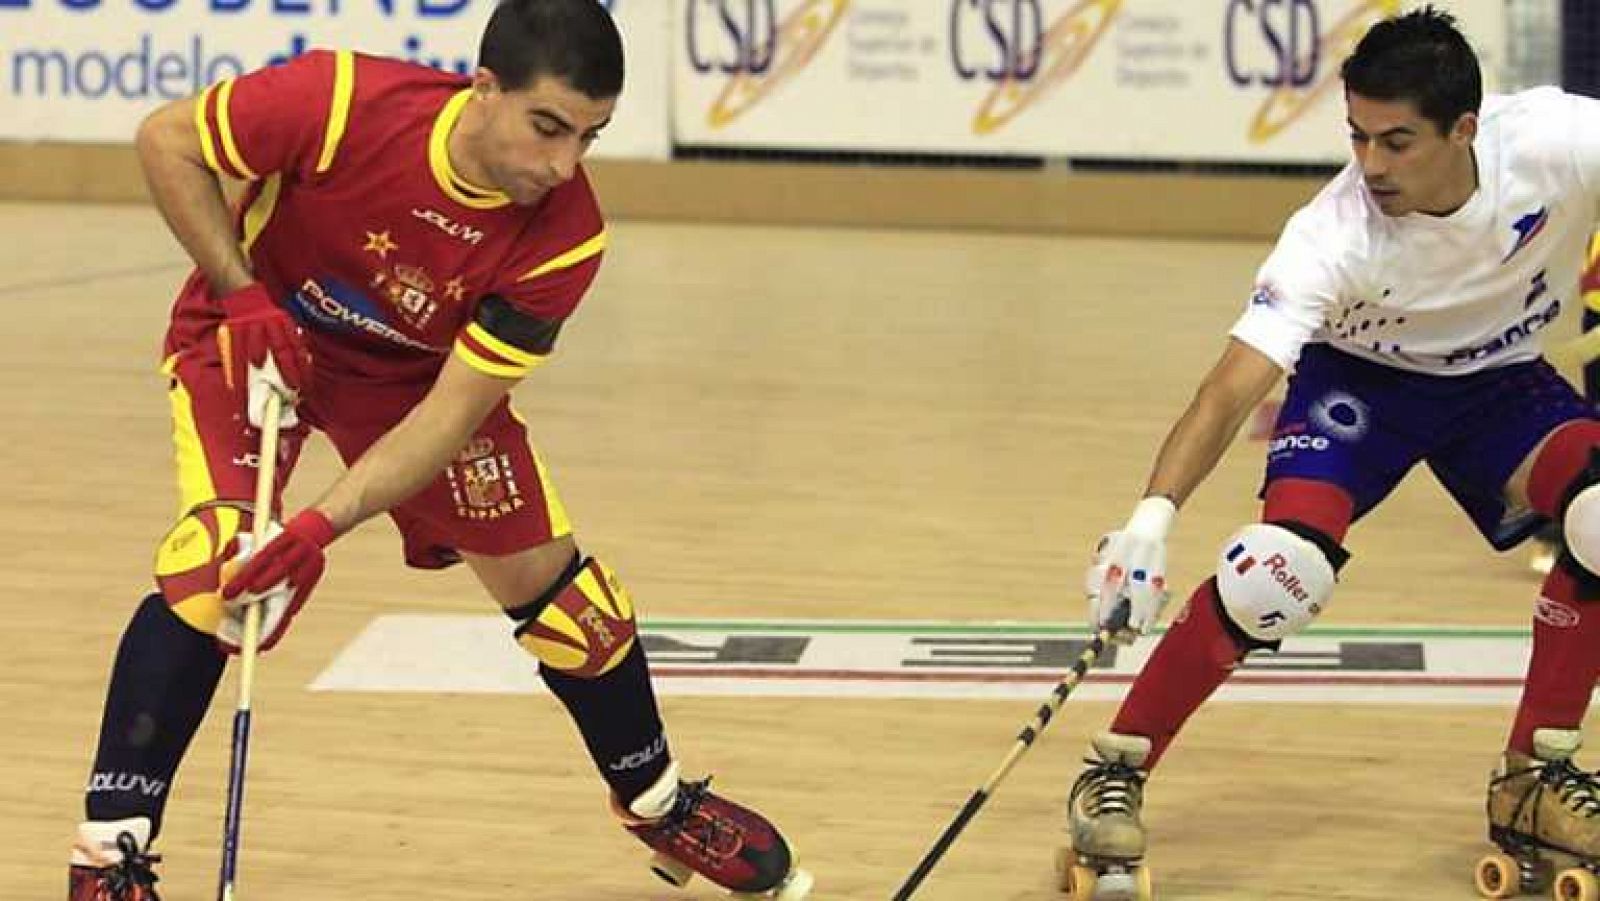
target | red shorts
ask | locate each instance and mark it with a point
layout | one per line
(495, 498)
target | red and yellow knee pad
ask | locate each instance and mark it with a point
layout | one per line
(586, 627)
(189, 562)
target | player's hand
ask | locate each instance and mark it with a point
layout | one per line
(1130, 567)
(263, 351)
(279, 577)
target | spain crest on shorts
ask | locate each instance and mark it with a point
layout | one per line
(482, 482)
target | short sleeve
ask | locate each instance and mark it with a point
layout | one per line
(1294, 289)
(287, 118)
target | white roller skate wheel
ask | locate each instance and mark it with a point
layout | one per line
(1121, 885)
(673, 872)
(795, 887)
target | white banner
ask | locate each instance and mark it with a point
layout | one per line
(1167, 79)
(88, 70)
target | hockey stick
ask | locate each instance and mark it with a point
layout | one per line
(249, 647)
(1025, 740)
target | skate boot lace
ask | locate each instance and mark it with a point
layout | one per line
(132, 873)
(1577, 790)
(707, 832)
(1112, 787)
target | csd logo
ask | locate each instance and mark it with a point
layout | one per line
(1010, 44)
(1287, 29)
(1284, 45)
(745, 40)
(996, 39)
(732, 36)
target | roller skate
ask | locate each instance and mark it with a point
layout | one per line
(1544, 816)
(1105, 860)
(694, 830)
(110, 862)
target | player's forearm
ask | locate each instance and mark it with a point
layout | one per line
(417, 450)
(190, 197)
(1195, 444)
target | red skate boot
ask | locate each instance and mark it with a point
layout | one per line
(110, 862)
(694, 830)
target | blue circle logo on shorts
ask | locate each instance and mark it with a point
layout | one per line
(1342, 416)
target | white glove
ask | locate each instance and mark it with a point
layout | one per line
(274, 602)
(264, 381)
(1130, 565)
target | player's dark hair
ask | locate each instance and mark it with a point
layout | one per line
(573, 40)
(1420, 57)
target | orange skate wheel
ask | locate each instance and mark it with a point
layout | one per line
(1079, 883)
(1066, 859)
(1576, 884)
(1498, 876)
(1142, 882)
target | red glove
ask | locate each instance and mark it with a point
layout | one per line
(279, 577)
(256, 328)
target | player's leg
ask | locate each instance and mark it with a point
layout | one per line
(168, 664)
(1330, 460)
(1531, 445)
(1547, 543)
(496, 507)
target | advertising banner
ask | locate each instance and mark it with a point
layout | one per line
(88, 70)
(1247, 80)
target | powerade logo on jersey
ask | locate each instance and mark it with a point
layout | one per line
(338, 308)
(1516, 332)
(1527, 228)
(1012, 45)
(1292, 49)
(745, 40)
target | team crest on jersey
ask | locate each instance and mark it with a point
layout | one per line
(1528, 228)
(482, 482)
(410, 290)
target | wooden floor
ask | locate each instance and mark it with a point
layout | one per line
(744, 422)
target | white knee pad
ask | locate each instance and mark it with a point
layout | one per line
(1581, 528)
(1272, 582)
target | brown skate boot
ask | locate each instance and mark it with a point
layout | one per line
(694, 830)
(1105, 860)
(110, 862)
(1544, 812)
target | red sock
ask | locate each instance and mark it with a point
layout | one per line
(1565, 663)
(1192, 660)
(1197, 654)
(1566, 627)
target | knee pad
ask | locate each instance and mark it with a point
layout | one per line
(1580, 517)
(188, 566)
(1275, 578)
(583, 625)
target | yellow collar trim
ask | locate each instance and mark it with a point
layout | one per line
(450, 182)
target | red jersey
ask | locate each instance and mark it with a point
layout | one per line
(357, 223)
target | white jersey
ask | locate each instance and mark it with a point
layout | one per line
(1445, 295)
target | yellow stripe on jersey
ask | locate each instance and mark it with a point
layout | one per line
(439, 159)
(344, 86)
(486, 366)
(260, 211)
(514, 354)
(229, 146)
(207, 149)
(569, 259)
